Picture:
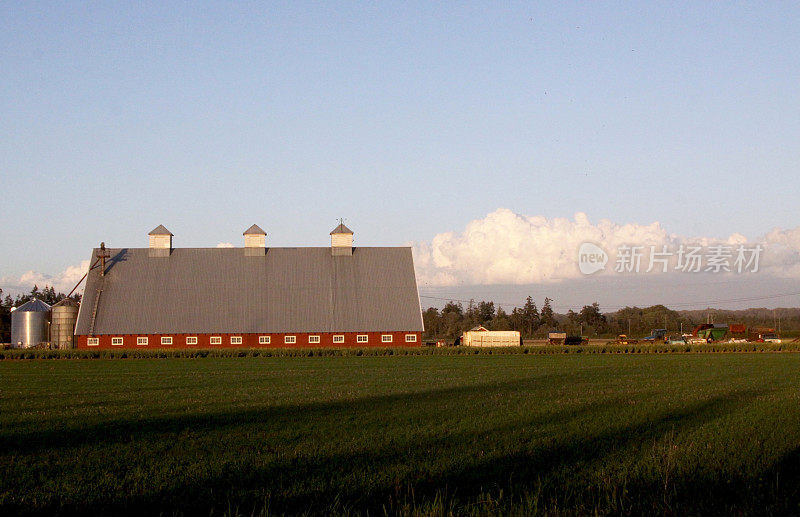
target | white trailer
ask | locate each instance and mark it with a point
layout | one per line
(483, 337)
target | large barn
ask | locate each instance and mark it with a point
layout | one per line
(255, 296)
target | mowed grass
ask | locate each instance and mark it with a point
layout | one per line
(463, 435)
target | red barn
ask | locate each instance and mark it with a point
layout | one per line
(165, 297)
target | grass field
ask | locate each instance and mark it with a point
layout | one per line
(429, 434)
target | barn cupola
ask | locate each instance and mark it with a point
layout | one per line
(160, 242)
(341, 241)
(255, 241)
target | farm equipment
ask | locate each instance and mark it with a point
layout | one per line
(676, 339)
(708, 332)
(576, 340)
(622, 339)
(557, 338)
(714, 333)
(657, 335)
(763, 335)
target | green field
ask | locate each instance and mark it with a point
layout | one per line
(428, 434)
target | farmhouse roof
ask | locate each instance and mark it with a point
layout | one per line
(209, 290)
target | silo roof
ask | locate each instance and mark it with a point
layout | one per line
(66, 302)
(34, 305)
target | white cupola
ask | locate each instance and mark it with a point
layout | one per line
(341, 241)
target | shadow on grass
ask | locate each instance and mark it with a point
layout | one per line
(313, 483)
(383, 474)
(773, 490)
(120, 430)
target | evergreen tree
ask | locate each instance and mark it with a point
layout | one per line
(501, 321)
(591, 315)
(485, 312)
(547, 317)
(530, 315)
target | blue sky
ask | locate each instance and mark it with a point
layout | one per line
(407, 120)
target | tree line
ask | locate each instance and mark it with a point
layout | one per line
(453, 319)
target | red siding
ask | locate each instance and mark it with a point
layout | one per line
(251, 340)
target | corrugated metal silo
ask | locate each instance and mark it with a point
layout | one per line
(62, 326)
(29, 324)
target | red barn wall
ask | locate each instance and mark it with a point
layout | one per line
(251, 340)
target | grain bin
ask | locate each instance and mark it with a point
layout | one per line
(62, 326)
(29, 324)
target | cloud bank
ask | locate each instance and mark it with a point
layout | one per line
(63, 282)
(506, 248)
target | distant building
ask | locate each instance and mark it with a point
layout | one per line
(166, 297)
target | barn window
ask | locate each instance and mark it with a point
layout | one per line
(216, 340)
(411, 338)
(236, 340)
(362, 338)
(386, 338)
(290, 339)
(141, 340)
(166, 340)
(191, 340)
(116, 341)
(93, 341)
(338, 338)
(313, 339)
(263, 340)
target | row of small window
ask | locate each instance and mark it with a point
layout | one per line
(237, 340)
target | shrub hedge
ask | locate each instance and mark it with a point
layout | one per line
(18, 354)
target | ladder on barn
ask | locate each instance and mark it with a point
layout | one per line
(102, 254)
(94, 308)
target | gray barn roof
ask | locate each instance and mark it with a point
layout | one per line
(220, 290)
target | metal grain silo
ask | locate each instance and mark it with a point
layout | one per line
(29, 324)
(62, 324)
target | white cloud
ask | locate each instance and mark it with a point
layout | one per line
(783, 252)
(508, 248)
(62, 282)
(513, 249)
